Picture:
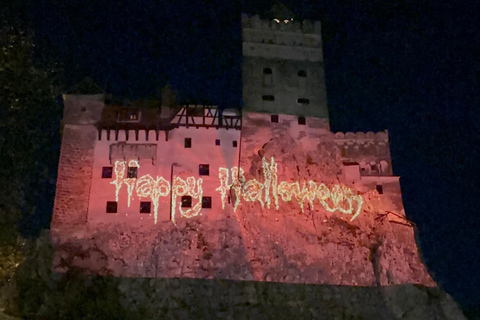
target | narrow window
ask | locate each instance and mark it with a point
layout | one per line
(217, 142)
(302, 121)
(274, 118)
(186, 202)
(188, 142)
(111, 206)
(204, 170)
(380, 188)
(207, 202)
(268, 98)
(107, 172)
(132, 172)
(302, 73)
(234, 143)
(145, 207)
(267, 71)
(303, 101)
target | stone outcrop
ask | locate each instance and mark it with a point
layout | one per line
(38, 292)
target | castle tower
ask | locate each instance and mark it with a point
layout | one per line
(79, 136)
(283, 66)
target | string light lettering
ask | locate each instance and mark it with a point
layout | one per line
(335, 198)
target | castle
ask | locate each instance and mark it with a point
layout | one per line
(265, 194)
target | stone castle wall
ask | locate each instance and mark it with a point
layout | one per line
(74, 177)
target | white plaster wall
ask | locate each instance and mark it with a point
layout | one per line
(203, 151)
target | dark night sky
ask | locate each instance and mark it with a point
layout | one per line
(396, 65)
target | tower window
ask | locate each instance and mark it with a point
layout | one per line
(380, 188)
(274, 118)
(186, 202)
(268, 98)
(107, 172)
(145, 207)
(302, 121)
(303, 101)
(132, 172)
(204, 170)
(111, 206)
(207, 202)
(234, 143)
(188, 142)
(302, 73)
(217, 142)
(267, 71)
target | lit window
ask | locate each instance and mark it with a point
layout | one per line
(188, 142)
(268, 98)
(274, 118)
(380, 188)
(302, 73)
(204, 170)
(186, 202)
(145, 207)
(303, 101)
(234, 144)
(267, 71)
(206, 202)
(217, 142)
(107, 172)
(111, 207)
(132, 172)
(302, 121)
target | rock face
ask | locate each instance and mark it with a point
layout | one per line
(38, 292)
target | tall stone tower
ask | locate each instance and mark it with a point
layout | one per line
(283, 66)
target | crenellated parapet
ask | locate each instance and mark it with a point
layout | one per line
(286, 39)
(303, 27)
(370, 150)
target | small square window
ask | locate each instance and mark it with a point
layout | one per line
(188, 142)
(204, 170)
(132, 172)
(302, 121)
(145, 207)
(207, 202)
(380, 188)
(268, 98)
(107, 172)
(111, 207)
(267, 71)
(186, 202)
(235, 144)
(302, 73)
(274, 118)
(217, 142)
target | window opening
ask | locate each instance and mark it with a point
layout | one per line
(145, 207)
(303, 101)
(302, 121)
(207, 202)
(186, 202)
(274, 118)
(302, 73)
(204, 170)
(217, 142)
(111, 207)
(234, 143)
(380, 188)
(267, 71)
(107, 172)
(268, 98)
(132, 172)
(188, 142)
